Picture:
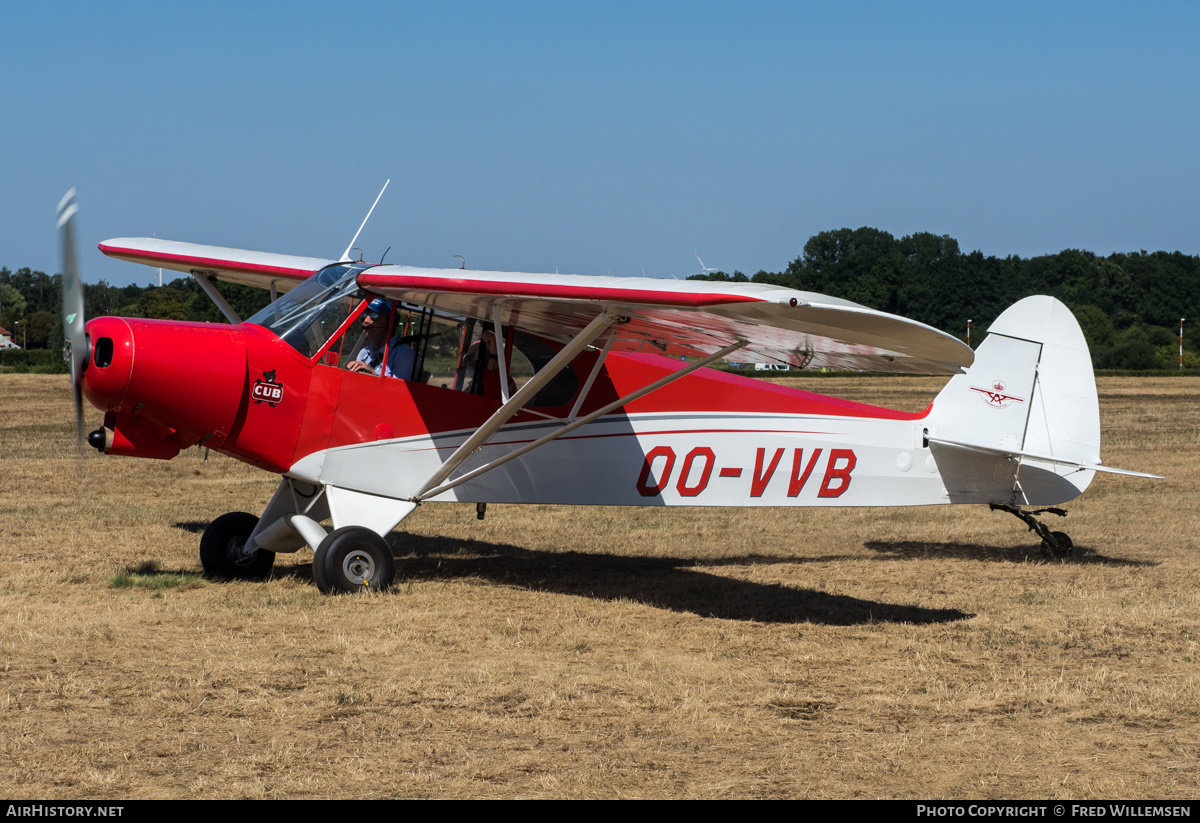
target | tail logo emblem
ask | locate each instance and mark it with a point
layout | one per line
(995, 396)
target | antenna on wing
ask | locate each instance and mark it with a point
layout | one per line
(346, 254)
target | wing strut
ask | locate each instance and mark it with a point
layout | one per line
(514, 404)
(427, 493)
(587, 386)
(501, 354)
(215, 296)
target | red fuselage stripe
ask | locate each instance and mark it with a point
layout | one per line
(635, 434)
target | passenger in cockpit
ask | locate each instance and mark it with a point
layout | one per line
(488, 381)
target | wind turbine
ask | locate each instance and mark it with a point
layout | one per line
(704, 269)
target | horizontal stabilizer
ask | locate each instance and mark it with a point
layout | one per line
(1042, 458)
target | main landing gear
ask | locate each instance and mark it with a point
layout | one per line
(1056, 545)
(223, 549)
(350, 559)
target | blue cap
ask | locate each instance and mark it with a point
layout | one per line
(379, 306)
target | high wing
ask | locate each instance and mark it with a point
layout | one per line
(690, 318)
(250, 268)
(685, 318)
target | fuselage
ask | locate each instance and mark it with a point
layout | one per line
(709, 438)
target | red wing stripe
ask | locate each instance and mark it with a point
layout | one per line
(511, 288)
(204, 262)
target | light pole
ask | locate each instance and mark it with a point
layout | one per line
(968, 332)
(1181, 342)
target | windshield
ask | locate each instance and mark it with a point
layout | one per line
(309, 314)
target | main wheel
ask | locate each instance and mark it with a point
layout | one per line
(353, 559)
(221, 549)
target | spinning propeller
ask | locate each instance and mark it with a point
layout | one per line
(72, 306)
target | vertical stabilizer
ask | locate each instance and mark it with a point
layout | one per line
(1031, 389)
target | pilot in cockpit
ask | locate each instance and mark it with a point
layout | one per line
(400, 358)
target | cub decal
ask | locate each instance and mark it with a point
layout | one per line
(267, 390)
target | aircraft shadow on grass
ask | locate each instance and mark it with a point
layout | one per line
(674, 583)
(914, 550)
(677, 584)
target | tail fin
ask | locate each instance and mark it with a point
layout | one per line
(1022, 426)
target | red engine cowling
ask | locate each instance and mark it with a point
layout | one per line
(164, 385)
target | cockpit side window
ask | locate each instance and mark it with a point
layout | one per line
(342, 348)
(562, 387)
(326, 315)
(525, 356)
(375, 341)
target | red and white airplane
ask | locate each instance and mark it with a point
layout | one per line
(327, 387)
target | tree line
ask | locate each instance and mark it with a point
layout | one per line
(1128, 304)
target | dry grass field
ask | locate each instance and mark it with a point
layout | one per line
(575, 652)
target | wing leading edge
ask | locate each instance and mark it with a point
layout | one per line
(686, 317)
(250, 268)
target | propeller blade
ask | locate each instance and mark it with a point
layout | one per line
(72, 305)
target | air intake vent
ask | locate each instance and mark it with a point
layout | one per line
(104, 352)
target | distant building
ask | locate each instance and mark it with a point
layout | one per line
(6, 341)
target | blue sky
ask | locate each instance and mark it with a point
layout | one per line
(600, 137)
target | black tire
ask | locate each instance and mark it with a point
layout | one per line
(318, 575)
(353, 559)
(1063, 547)
(219, 548)
(1068, 547)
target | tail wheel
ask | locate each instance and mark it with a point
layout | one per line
(1067, 547)
(221, 547)
(1063, 547)
(353, 559)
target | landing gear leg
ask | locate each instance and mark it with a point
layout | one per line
(1054, 544)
